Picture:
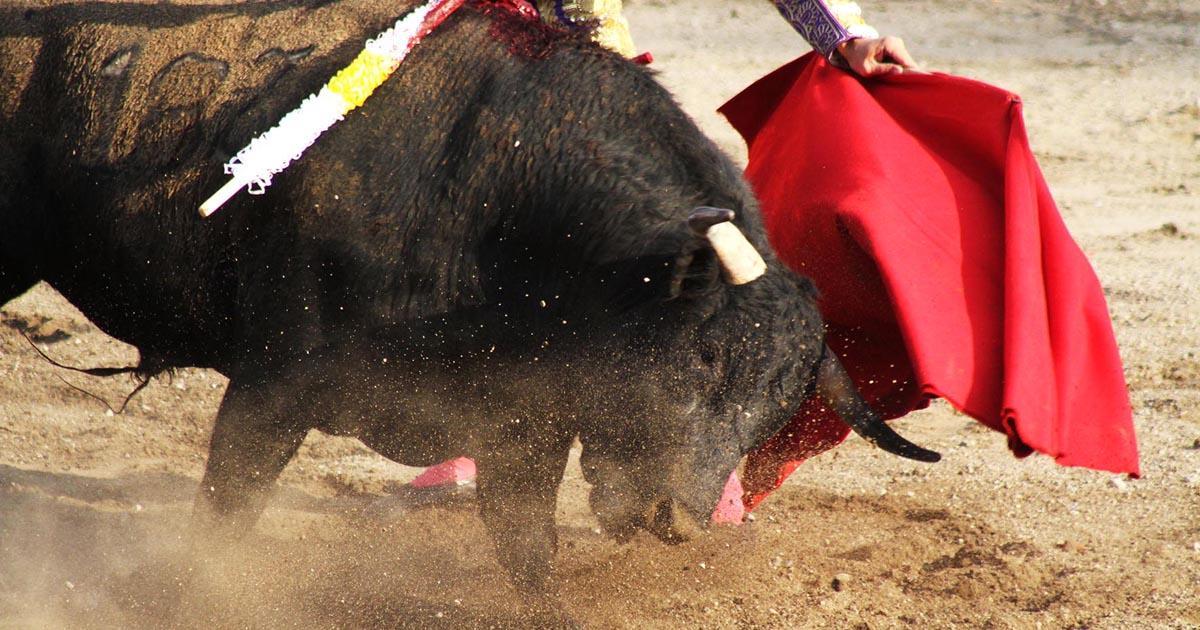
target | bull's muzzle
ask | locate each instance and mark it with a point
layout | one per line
(741, 262)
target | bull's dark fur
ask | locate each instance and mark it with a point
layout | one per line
(490, 257)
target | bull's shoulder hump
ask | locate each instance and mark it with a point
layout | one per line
(128, 74)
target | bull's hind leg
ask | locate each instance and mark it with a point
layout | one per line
(255, 436)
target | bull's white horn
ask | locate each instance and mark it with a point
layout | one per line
(742, 263)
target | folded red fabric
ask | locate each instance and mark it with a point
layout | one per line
(916, 206)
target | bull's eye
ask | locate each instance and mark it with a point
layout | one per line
(708, 356)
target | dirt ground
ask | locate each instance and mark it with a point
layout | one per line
(94, 507)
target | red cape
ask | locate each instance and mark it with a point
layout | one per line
(916, 206)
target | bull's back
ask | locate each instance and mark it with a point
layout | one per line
(116, 119)
(499, 152)
(124, 86)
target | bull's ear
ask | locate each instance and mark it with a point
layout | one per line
(695, 271)
(678, 273)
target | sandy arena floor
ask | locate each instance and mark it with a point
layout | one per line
(94, 507)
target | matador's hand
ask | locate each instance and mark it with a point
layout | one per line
(873, 57)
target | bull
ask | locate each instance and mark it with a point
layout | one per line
(510, 246)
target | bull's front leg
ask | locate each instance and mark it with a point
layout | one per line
(517, 488)
(253, 439)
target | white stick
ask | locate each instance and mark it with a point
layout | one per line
(272, 151)
(219, 198)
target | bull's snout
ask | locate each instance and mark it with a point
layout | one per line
(671, 522)
(626, 498)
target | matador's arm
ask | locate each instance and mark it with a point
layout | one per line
(825, 24)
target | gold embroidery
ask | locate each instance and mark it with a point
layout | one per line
(611, 28)
(849, 15)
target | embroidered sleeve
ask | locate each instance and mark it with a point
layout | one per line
(825, 24)
(608, 26)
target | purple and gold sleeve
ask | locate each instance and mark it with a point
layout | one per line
(825, 24)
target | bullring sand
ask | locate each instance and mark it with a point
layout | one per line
(94, 507)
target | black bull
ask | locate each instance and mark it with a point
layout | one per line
(492, 257)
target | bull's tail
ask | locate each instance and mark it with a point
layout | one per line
(838, 391)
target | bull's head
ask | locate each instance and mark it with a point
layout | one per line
(711, 373)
